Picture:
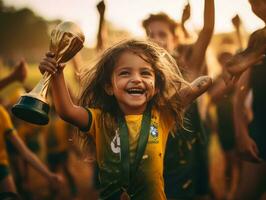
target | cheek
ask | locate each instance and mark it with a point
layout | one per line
(150, 84)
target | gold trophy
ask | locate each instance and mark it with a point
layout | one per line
(66, 40)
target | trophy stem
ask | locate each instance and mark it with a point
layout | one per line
(46, 83)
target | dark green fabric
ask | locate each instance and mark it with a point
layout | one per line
(4, 171)
(186, 159)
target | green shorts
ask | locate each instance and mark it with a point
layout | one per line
(4, 171)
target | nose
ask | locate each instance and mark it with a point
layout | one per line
(157, 39)
(136, 78)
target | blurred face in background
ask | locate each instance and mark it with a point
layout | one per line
(159, 32)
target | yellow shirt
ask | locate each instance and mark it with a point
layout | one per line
(6, 127)
(149, 178)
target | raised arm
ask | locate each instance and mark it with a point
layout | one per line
(101, 29)
(219, 89)
(64, 105)
(252, 55)
(237, 24)
(199, 48)
(19, 74)
(196, 88)
(185, 17)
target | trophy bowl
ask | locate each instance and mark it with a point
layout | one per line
(66, 41)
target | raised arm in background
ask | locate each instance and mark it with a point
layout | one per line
(19, 74)
(195, 62)
(101, 29)
(185, 17)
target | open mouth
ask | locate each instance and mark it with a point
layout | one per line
(136, 91)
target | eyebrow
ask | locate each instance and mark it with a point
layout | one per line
(129, 68)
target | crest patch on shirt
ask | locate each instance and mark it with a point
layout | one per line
(115, 143)
(154, 133)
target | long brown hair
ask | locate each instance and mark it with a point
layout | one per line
(168, 80)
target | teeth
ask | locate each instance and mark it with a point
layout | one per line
(136, 90)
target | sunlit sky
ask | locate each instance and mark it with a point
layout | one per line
(128, 14)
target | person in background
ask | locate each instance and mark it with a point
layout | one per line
(8, 132)
(186, 163)
(250, 136)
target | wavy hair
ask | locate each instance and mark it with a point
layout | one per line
(168, 80)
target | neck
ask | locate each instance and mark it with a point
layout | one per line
(132, 111)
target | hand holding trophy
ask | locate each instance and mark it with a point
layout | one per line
(66, 40)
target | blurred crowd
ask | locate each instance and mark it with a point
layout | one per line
(220, 152)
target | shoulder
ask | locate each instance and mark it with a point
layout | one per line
(94, 118)
(94, 113)
(163, 118)
(257, 38)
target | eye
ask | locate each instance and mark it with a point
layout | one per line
(123, 73)
(146, 73)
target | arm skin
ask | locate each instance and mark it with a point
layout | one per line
(64, 105)
(196, 88)
(219, 89)
(246, 146)
(32, 159)
(252, 55)
(185, 17)
(236, 21)
(101, 31)
(199, 48)
(19, 74)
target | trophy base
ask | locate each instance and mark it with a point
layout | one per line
(31, 110)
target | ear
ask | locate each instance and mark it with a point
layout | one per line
(109, 89)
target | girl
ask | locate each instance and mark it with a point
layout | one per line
(130, 102)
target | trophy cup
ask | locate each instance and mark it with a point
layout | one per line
(66, 40)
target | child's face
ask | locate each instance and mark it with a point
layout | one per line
(133, 83)
(160, 33)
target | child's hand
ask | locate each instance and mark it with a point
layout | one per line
(189, 93)
(239, 63)
(21, 71)
(186, 13)
(101, 7)
(55, 180)
(49, 64)
(236, 21)
(248, 149)
(230, 80)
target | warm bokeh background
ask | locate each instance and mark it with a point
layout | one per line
(24, 32)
